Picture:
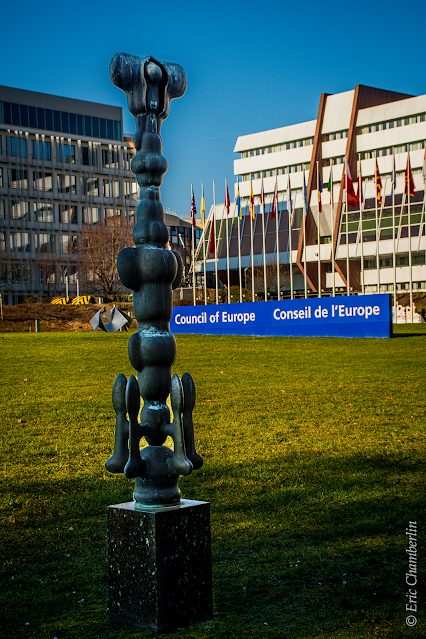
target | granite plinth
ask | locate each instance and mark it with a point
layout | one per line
(160, 574)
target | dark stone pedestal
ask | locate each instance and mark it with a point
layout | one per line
(160, 575)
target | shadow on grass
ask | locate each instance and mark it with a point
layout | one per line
(301, 544)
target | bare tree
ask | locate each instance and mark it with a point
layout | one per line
(97, 249)
(271, 276)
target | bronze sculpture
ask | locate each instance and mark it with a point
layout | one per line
(151, 270)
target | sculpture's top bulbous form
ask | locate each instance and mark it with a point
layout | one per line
(149, 86)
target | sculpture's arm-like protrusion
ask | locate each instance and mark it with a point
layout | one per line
(179, 275)
(178, 463)
(188, 387)
(116, 463)
(135, 467)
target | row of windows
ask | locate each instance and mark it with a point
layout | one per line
(16, 146)
(294, 168)
(365, 155)
(401, 260)
(179, 234)
(60, 121)
(41, 241)
(339, 135)
(50, 212)
(391, 124)
(44, 181)
(295, 144)
(402, 148)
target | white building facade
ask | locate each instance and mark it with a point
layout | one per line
(375, 246)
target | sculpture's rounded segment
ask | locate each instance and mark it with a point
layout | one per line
(142, 79)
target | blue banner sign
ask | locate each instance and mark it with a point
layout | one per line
(354, 316)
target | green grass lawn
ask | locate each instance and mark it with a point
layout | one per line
(314, 464)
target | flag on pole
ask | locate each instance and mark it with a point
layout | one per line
(274, 202)
(305, 196)
(360, 195)
(252, 214)
(378, 183)
(238, 202)
(409, 182)
(393, 177)
(262, 198)
(352, 199)
(227, 202)
(289, 206)
(212, 247)
(193, 207)
(203, 207)
(330, 181)
(319, 191)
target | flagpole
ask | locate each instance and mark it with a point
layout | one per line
(192, 244)
(239, 241)
(318, 231)
(290, 225)
(215, 244)
(252, 214)
(376, 170)
(203, 221)
(361, 202)
(277, 235)
(304, 212)
(227, 205)
(262, 209)
(410, 261)
(332, 228)
(393, 185)
(348, 290)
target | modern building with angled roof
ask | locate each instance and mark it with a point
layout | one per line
(372, 247)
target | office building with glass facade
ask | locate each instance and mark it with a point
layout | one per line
(63, 163)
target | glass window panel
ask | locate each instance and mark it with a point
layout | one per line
(85, 155)
(32, 117)
(24, 114)
(49, 119)
(41, 124)
(110, 125)
(67, 214)
(18, 146)
(19, 210)
(56, 121)
(80, 125)
(18, 179)
(7, 114)
(15, 114)
(102, 127)
(20, 241)
(87, 125)
(117, 130)
(66, 183)
(43, 212)
(95, 127)
(65, 122)
(73, 122)
(90, 214)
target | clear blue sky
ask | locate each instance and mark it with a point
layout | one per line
(250, 65)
